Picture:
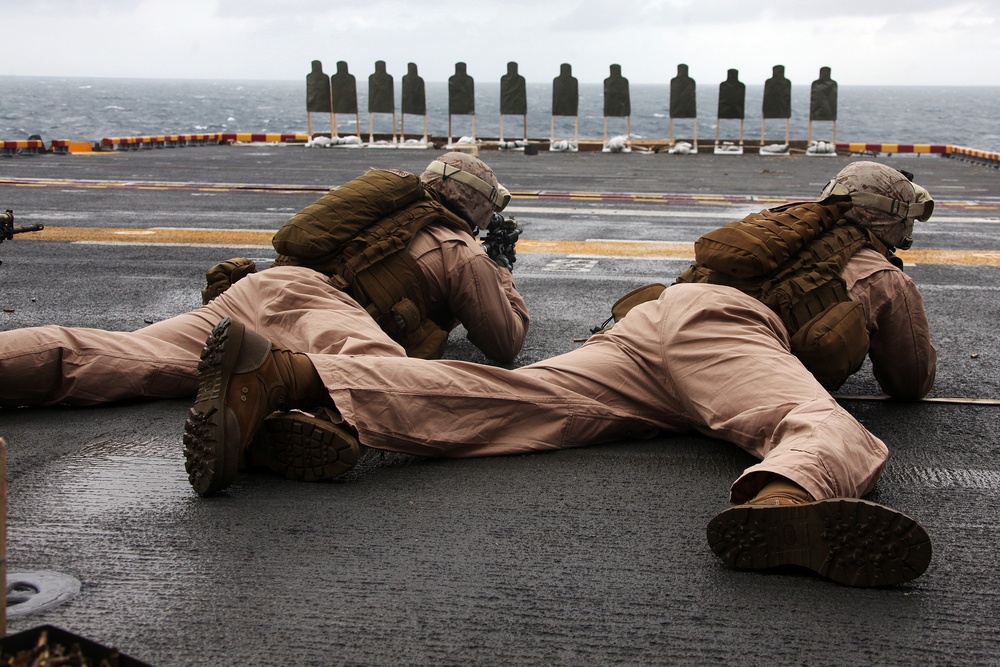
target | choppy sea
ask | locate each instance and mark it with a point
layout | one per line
(85, 109)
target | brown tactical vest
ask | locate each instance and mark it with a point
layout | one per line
(791, 259)
(358, 234)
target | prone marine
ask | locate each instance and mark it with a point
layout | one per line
(709, 355)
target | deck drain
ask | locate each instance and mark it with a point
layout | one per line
(32, 592)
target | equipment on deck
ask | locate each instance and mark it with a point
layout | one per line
(8, 228)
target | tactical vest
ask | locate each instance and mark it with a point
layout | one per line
(791, 258)
(358, 234)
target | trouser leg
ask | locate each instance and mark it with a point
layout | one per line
(730, 363)
(459, 409)
(700, 357)
(295, 307)
(49, 365)
(298, 309)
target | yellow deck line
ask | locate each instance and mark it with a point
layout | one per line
(961, 257)
(151, 236)
(597, 248)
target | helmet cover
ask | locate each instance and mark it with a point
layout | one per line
(885, 200)
(467, 185)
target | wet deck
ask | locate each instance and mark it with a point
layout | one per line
(594, 556)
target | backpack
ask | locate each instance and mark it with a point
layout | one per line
(790, 258)
(358, 234)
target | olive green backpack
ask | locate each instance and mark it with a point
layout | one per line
(791, 259)
(357, 234)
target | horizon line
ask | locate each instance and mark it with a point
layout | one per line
(397, 79)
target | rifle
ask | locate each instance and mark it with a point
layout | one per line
(8, 228)
(501, 236)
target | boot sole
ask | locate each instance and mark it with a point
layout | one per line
(851, 541)
(304, 448)
(210, 465)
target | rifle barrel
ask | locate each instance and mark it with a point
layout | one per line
(20, 229)
(8, 228)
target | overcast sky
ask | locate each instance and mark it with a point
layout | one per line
(881, 42)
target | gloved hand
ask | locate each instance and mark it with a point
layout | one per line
(501, 237)
(504, 258)
(221, 276)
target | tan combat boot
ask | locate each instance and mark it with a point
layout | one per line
(780, 491)
(242, 379)
(303, 448)
(849, 540)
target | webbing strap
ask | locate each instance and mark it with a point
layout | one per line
(920, 209)
(499, 196)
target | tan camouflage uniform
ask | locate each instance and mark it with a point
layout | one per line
(702, 358)
(53, 364)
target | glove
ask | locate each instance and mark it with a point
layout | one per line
(501, 237)
(505, 258)
(221, 276)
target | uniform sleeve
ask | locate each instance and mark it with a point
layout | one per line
(462, 279)
(483, 298)
(903, 359)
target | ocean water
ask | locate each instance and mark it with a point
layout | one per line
(84, 109)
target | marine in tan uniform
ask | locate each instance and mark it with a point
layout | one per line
(701, 357)
(53, 364)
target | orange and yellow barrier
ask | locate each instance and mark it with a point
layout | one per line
(263, 137)
(21, 146)
(33, 146)
(941, 149)
(964, 151)
(172, 140)
(159, 141)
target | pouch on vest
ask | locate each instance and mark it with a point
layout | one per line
(637, 296)
(432, 341)
(623, 305)
(358, 235)
(760, 243)
(834, 344)
(791, 259)
(321, 229)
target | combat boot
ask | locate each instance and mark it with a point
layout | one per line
(242, 379)
(781, 491)
(303, 448)
(851, 541)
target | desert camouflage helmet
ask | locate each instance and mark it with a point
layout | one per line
(885, 201)
(467, 185)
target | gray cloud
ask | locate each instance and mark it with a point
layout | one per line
(865, 41)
